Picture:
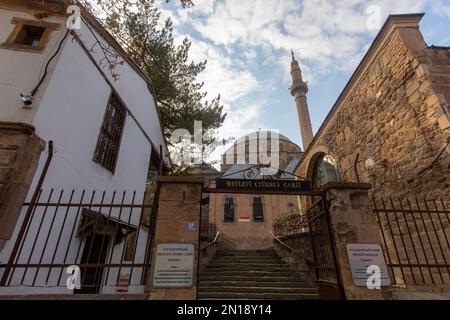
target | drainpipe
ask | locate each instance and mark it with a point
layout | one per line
(355, 165)
(27, 217)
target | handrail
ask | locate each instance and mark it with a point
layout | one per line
(213, 242)
(301, 255)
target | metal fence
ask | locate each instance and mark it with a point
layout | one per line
(291, 225)
(416, 238)
(105, 236)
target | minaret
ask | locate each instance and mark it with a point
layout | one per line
(299, 89)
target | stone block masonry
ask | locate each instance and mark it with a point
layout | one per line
(392, 128)
(179, 204)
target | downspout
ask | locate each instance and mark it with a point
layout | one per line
(355, 166)
(153, 219)
(27, 217)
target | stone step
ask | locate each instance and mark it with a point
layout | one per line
(251, 273)
(258, 289)
(244, 268)
(246, 253)
(269, 283)
(254, 278)
(258, 296)
(262, 261)
(246, 260)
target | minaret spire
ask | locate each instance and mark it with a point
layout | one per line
(299, 89)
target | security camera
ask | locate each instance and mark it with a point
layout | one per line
(26, 99)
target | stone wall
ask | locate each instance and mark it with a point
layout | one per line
(300, 242)
(20, 149)
(178, 206)
(301, 247)
(394, 121)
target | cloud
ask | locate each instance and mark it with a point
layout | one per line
(325, 32)
(239, 121)
(222, 75)
(239, 38)
(441, 8)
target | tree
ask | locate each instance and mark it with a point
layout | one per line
(181, 101)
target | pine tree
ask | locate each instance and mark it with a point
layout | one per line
(181, 101)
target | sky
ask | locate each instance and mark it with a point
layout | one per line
(247, 45)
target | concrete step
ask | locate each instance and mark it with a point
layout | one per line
(258, 284)
(258, 296)
(259, 289)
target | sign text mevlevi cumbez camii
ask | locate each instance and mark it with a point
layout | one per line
(264, 185)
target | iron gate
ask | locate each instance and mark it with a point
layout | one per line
(324, 252)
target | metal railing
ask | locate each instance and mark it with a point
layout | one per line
(415, 237)
(291, 225)
(296, 252)
(208, 231)
(105, 235)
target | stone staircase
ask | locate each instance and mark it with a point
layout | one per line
(253, 274)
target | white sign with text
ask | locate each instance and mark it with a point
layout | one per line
(367, 265)
(174, 265)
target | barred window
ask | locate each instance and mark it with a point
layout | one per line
(110, 135)
(228, 215)
(258, 210)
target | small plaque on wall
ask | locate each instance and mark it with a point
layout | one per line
(367, 260)
(174, 265)
(191, 226)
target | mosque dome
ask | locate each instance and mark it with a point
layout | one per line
(288, 150)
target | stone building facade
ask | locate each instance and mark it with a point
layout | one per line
(391, 124)
(244, 231)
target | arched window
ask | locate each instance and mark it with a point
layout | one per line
(228, 210)
(325, 170)
(258, 210)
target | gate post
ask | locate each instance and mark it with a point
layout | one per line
(352, 221)
(174, 250)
